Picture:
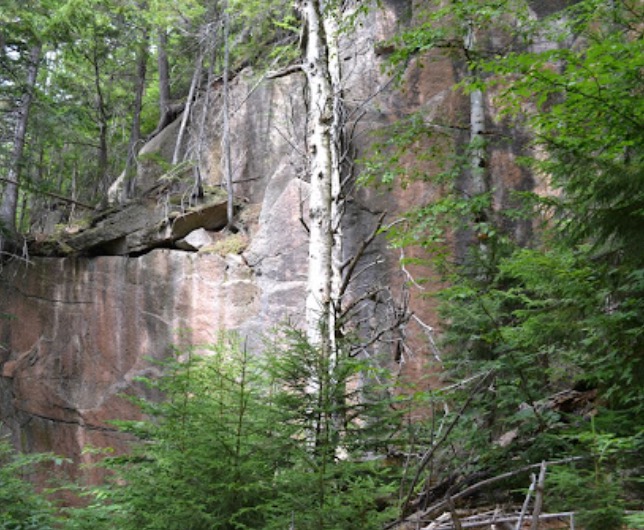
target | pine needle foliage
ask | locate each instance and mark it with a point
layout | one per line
(556, 323)
(244, 442)
(21, 506)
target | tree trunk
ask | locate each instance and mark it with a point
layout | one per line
(211, 50)
(227, 158)
(135, 132)
(320, 120)
(163, 66)
(479, 184)
(9, 204)
(103, 125)
(337, 147)
(477, 127)
(196, 78)
(538, 497)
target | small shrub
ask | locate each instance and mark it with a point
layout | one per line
(232, 244)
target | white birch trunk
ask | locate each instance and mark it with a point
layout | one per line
(331, 20)
(477, 127)
(320, 120)
(478, 162)
(337, 205)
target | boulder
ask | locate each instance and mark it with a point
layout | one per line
(195, 240)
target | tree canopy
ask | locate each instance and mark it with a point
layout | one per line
(542, 319)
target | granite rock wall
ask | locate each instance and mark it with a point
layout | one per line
(78, 329)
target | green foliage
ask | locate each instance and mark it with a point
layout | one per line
(598, 502)
(21, 507)
(334, 477)
(445, 26)
(589, 116)
(244, 442)
(565, 316)
(596, 490)
(83, 111)
(272, 41)
(204, 460)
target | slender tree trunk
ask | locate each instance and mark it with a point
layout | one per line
(164, 80)
(538, 497)
(479, 184)
(331, 18)
(103, 125)
(101, 166)
(477, 126)
(205, 110)
(9, 204)
(228, 170)
(319, 136)
(72, 209)
(196, 78)
(135, 132)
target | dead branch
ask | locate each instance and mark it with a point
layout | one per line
(283, 72)
(289, 141)
(538, 497)
(407, 273)
(478, 521)
(442, 505)
(259, 82)
(196, 77)
(524, 508)
(49, 194)
(429, 332)
(365, 296)
(452, 510)
(430, 452)
(375, 338)
(359, 253)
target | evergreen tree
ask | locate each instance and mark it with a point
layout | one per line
(555, 329)
(239, 441)
(21, 507)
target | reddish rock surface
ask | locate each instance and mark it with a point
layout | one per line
(81, 330)
(76, 332)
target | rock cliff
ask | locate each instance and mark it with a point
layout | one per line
(80, 320)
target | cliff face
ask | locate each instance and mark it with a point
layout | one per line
(79, 327)
(82, 330)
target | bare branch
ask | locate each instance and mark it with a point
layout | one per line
(430, 452)
(49, 194)
(441, 505)
(283, 72)
(429, 332)
(538, 497)
(356, 257)
(524, 508)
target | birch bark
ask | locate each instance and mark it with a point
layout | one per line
(477, 125)
(319, 136)
(479, 184)
(337, 206)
